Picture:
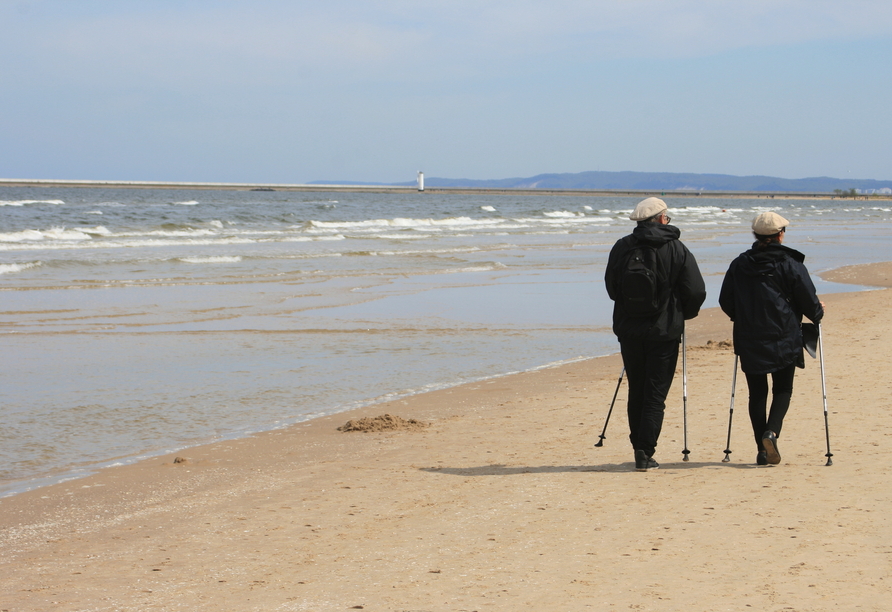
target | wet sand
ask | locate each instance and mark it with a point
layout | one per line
(501, 502)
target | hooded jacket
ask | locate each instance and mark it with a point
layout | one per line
(687, 293)
(766, 291)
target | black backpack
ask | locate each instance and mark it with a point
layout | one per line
(643, 287)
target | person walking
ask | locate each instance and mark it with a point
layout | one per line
(766, 291)
(656, 285)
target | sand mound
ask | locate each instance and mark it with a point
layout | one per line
(715, 345)
(384, 422)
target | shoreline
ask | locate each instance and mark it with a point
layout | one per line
(501, 502)
(710, 320)
(74, 474)
(93, 184)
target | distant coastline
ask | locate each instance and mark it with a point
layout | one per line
(371, 188)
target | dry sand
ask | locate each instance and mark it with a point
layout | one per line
(501, 503)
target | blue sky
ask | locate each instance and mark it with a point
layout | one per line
(288, 92)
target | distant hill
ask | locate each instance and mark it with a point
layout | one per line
(656, 181)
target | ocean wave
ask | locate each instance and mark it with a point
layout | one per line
(563, 214)
(486, 268)
(182, 233)
(55, 233)
(24, 235)
(314, 238)
(32, 239)
(27, 202)
(122, 244)
(552, 221)
(13, 268)
(214, 259)
(704, 211)
(402, 222)
(403, 236)
(382, 228)
(456, 250)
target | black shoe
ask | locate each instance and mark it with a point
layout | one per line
(643, 462)
(640, 461)
(769, 443)
(762, 458)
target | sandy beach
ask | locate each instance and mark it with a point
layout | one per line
(499, 500)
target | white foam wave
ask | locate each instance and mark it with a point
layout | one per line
(31, 239)
(13, 268)
(122, 244)
(56, 233)
(488, 208)
(495, 266)
(704, 210)
(186, 233)
(216, 259)
(24, 235)
(313, 238)
(565, 214)
(27, 202)
(377, 224)
(428, 251)
(403, 236)
(551, 222)
(186, 203)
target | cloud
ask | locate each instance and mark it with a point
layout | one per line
(397, 39)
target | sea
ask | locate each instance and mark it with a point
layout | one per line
(136, 322)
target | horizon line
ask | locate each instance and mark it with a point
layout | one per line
(396, 188)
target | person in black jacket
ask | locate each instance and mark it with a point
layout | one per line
(766, 291)
(649, 336)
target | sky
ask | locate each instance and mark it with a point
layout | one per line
(271, 91)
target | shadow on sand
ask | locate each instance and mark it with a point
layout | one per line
(513, 470)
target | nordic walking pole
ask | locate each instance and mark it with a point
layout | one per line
(829, 455)
(731, 414)
(600, 442)
(684, 389)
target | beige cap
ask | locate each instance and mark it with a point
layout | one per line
(769, 223)
(647, 209)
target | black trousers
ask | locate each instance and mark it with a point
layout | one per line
(650, 368)
(781, 392)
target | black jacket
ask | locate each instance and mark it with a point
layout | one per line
(765, 292)
(683, 274)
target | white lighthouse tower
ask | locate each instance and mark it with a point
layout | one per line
(420, 180)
